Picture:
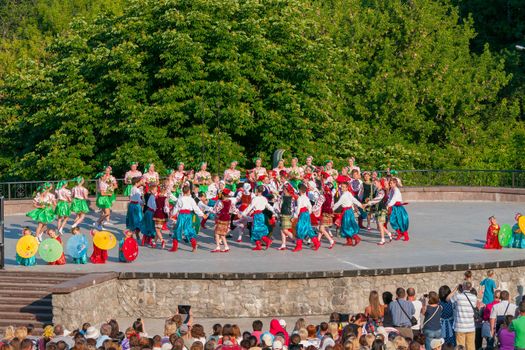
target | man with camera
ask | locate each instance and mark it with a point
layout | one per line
(465, 312)
(403, 314)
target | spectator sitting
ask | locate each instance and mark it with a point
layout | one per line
(506, 338)
(61, 336)
(105, 332)
(217, 333)
(257, 327)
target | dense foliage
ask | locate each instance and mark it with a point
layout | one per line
(394, 83)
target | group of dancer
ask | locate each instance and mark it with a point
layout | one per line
(308, 201)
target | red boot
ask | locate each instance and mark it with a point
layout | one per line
(399, 235)
(405, 236)
(349, 241)
(316, 243)
(298, 245)
(151, 243)
(193, 242)
(203, 223)
(175, 246)
(267, 241)
(357, 239)
(143, 241)
(258, 245)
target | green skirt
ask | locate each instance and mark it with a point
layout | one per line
(231, 187)
(203, 188)
(42, 215)
(63, 209)
(127, 190)
(79, 206)
(104, 202)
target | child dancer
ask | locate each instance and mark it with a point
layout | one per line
(380, 203)
(83, 258)
(63, 208)
(259, 229)
(134, 215)
(203, 178)
(223, 208)
(53, 234)
(148, 225)
(492, 235)
(399, 216)
(43, 213)
(366, 193)
(232, 177)
(99, 256)
(183, 208)
(286, 210)
(327, 215)
(79, 205)
(160, 216)
(150, 175)
(518, 240)
(127, 235)
(26, 261)
(304, 228)
(128, 177)
(106, 195)
(349, 228)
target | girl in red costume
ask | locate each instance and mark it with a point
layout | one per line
(223, 209)
(492, 235)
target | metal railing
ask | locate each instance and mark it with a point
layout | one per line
(2, 236)
(452, 177)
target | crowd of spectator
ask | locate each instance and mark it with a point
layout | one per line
(449, 319)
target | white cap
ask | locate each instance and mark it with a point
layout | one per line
(436, 343)
(92, 333)
(282, 323)
(277, 345)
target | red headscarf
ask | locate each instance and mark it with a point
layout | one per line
(275, 327)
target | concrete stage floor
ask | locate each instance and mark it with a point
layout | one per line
(441, 233)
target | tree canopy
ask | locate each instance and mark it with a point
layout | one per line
(394, 83)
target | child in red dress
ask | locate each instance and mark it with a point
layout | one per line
(492, 235)
(62, 260)
(99, 256)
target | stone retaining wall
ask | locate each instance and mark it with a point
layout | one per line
(157, 295)
(91, 298)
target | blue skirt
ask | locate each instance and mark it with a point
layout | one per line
(148, 225)
(82, 260)
(304, 227)
(399, 218)
(184, 226)
(121, 257)
(134, 217)
(259, 228)
(26, 261)
(349, 227)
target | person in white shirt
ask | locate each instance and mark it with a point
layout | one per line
(184, 208)
(349, 227)
(304, 227)
(418, 305)
(500, 310)
(259, 228)
(148, 224)
(134, 215)
(399, 216)
(464, 301)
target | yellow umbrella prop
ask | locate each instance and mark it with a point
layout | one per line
(521, 224)
(27, 246)
(105, 240)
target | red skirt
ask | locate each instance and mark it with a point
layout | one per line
(99, 256)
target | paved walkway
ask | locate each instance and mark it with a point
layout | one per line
(441, 232)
